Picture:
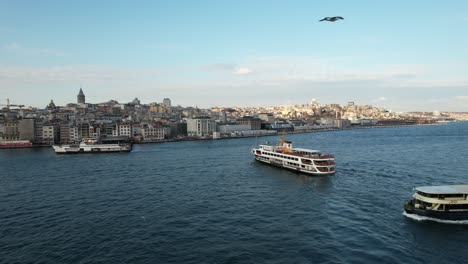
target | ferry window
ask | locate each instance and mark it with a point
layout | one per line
(427, 195)
(454, 195)
(459, 206)
(426, 204)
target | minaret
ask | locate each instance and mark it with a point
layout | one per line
(81, 97)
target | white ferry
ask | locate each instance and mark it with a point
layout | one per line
(449, 202)
(91, 146)
(297, 159)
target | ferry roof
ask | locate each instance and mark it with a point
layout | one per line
(306, 150)
(444, 189)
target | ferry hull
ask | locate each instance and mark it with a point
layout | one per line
(443, 215)
(91, 152)
(298, 170)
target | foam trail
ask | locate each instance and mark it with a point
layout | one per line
(425, 218)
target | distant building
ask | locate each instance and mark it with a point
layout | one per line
(84, 131)
(38, 132)
(254, 123)
(50, 134)
(267, 117)
(233, 128)
(74, 136)
(342, 123)
(26, 129)
(152, 133)
(178, 129)
(125, 129)
(51, 105)
(64, 133)
(81, 97)
(136, 101)
(167, 102)
(200, 127)
(11, 130)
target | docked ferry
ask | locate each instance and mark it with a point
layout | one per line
(92, 146)
(448, 202)
(297, 159)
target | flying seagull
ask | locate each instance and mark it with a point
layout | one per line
(331, 19)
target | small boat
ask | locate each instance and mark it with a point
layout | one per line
(298, 159)
(447, 202)
(92, 146)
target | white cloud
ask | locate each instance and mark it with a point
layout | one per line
(266, 79)
(243, 71)
(16, 48)
(380, 99)
(12, 46)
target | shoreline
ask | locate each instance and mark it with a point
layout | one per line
(249, 136)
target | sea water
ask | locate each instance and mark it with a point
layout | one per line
(210, 202)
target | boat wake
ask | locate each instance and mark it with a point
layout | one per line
(425, 218)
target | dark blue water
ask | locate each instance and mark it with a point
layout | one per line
(209, 202)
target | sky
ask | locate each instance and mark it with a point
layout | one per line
(400, 55)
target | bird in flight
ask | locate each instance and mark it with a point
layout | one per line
(331, 19)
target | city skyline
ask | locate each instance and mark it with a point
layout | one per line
(400, 56)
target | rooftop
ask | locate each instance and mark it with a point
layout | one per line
(444, 189)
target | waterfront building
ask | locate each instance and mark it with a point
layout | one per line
(200, 127)
(254, 123)
(81, 97)
(107, 127)
(267, 117)
(64, 133)
(84, 130)
(74, 134)
(233, 128)
(282, 127)
(50, 134)
(177, 130)
(2, 130)
(38, 131)
(26, 129)
(94, 131)
(11, 130)
(153, 133)
(136, 130)
(342, 123)
(125, 129)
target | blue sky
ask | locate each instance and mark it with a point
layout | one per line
(401, 55)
